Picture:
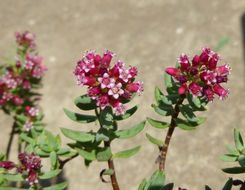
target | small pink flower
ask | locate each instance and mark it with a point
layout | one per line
(124, 74)
(8, 165)
(223, 70)
(103, 101)
(26, 84)
(183, 89)
(220, 91)
(28, 65)
(195, 89)
(135, 87)
(7, 96)
(172, 71)
(208, 92)
(184, 62)
(32, 177)
(196, 61)
(17, 100)
(133, 71)
(28, 125)
(116, 90)
(206, 53)
(94, 92)
(208, 77)
(119, 108)
(106, 81)
(33, 111)
(212, 63)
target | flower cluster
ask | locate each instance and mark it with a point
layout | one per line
(26, 40)
(29, 163)
(31, 113)
(201, 76)
(18, 78)
(107, 84)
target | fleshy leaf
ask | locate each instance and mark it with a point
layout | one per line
(85, 103)
(234, 170)
(156, 181)
(13, 177)
(78, 135)
(232, 150)
(207, 187)
(158, 95)
(53, 158)
(163, 110)
(241, 160)
(131, 132)
(238, 139)
(59, 186)
(188, 113)
(185, 125)
(127, 153)
(104, 154)
(228, 158)
(49, 174)
(142, 184)
(80, 117)
(157, 124)
(228, 184)
(154, 140)
(87, 155)
(108, 172)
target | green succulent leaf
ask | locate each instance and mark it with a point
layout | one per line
(63, 151)
(128, 113)
(59, 186)
(78, 135)
(131, 132)
(238, 139)
(185, 125)
(158, 95)
(228, 184)
(104, 154)
(241, 160)
(158, 124)
(156, 181)
(228, 158)
(169, 84)
(106, 118)
(49, 174)
(108, 172)
(85, 102)
(188, 113)
(53, 159)
(87, 155)
(27, 139)
(154, 140)
(168, 186)
(13, 177)
(232, 150)
(207, 187)
(142, 184)
(164, 110)
(80, 118)
(127, 153)
(234, 170)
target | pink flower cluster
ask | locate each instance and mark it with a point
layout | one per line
(21, 75)
(31, 113)
(106, 83)
(201, 76)
(29, 163)
(26, 40)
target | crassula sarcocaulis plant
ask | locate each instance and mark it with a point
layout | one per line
(109, 87)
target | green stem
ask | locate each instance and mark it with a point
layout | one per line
(164, 149)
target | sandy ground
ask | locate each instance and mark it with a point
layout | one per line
(150, 35)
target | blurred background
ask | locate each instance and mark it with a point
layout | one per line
(149, 35)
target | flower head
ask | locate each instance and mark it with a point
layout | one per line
(107, 83)
(201, 76)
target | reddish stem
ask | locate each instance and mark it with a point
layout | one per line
(164, 149)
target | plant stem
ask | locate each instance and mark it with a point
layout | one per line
(10, 140)
(114, 182)
(63, 162)
(110, 162)
(164, 149)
